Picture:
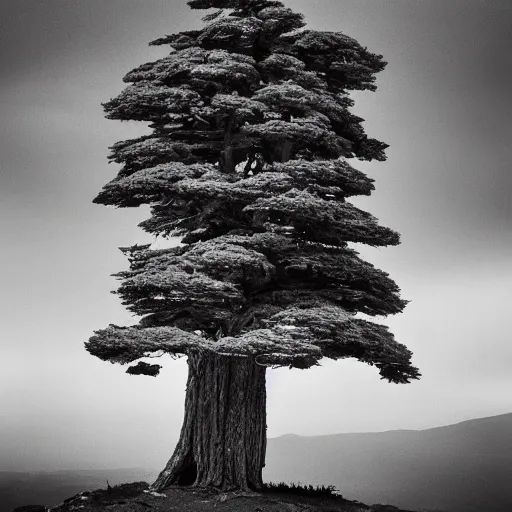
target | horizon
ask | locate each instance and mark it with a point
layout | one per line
(400, 429)
(442, 104)
(155, 469)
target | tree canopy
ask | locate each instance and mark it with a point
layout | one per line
(248, 162)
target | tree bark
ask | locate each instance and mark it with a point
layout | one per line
(286, 151)
(223, 438)
(227, 163)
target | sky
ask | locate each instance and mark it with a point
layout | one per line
(443, 104)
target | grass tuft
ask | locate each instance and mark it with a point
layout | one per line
(303, 490)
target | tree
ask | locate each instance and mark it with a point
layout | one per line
(248, 162)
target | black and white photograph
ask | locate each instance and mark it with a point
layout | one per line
(256, 255)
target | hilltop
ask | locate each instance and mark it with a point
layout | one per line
(135, 497)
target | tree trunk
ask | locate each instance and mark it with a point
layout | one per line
(227, 163)
(286, 151)
(223, 437)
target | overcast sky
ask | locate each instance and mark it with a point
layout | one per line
(443, 104)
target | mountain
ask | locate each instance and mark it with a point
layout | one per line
(465, 467)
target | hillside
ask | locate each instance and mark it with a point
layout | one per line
(459, 468)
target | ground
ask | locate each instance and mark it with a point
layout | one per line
(137, 498)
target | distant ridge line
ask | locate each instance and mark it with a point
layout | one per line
(472, 420)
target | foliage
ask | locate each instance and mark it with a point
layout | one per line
(302, 490)
(142, 368)
(248, 161)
